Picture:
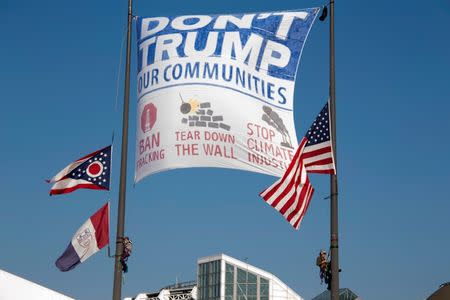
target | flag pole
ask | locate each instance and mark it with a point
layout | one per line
(117, 288)
(334, 246)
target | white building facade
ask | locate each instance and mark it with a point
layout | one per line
(221, 277)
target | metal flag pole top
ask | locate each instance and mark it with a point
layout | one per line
(117, 289)
(334, 246)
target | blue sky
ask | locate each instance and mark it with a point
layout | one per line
(59, 65)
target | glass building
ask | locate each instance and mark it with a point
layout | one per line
(222, 277)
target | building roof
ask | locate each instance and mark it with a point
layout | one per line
(246, 266)
(178, 291)
(240, 264)
(443, 293)
(344, 294)
(15, 288)
(188, 291)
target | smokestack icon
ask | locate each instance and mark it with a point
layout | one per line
(147, 121)
(274, 120)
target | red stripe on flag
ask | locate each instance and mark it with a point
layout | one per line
(292, 184)
(78, 186)
(328, 171)
(100, 221)
(308, 154)
(290, 191)
(308, 200)
(297, 183)
(288, 171)
(301, 211)
(288, 204)
(325, 161)
(300, 201)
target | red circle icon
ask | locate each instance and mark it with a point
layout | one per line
(95, 169)
(148, 117)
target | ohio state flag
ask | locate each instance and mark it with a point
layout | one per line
(89, 172)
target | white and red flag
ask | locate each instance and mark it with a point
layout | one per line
(292, 193)
(92, 236)
(89, 172)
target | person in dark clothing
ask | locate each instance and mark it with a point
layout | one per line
(322, 263)
(127, 248)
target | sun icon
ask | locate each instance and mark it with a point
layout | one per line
(194, 105)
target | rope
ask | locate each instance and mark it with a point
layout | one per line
(115, 110)
(120, 67)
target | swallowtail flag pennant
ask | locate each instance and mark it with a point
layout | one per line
(92, 236)
(89, 172)
(291, 194)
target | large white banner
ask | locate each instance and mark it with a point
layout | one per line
(217, 90)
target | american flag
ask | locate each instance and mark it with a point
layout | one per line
(318, 152)
(292, 193)
(89, 172)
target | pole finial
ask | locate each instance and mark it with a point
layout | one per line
(324, 14)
